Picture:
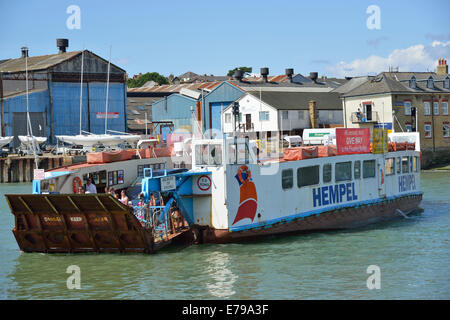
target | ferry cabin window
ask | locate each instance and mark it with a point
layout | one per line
(405, 165)
(308, 176)
(357, 169)
(398, 165)
(287, 178)
(416, 164)
(208, 154)
(368, 169)
(389, 166)
(411, 168)
(326, 173)
(343, 171)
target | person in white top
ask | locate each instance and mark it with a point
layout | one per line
(90, 187)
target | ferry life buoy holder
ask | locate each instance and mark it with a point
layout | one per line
(76, 184)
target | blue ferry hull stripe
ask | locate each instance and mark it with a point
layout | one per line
(286, 219)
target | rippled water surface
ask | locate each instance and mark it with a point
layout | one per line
(413, 255)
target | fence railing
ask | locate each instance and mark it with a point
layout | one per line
(361, 117)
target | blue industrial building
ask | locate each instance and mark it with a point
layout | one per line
(182, 108)
(54, 83)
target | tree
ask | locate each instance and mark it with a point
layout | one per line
(243, 69)
(149, 76)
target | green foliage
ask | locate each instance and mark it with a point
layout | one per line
(243, 69)
(149, 76)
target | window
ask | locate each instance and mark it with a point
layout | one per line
(427, 130)
(240, 117)
(430, 83)
(436, 107)
(326, 173)
(399, 167)
(416, 164)
(301, 115)
(368, 169)
(227, 117)
(408, 127)
(407, 105)
(445, 108)
(264, 116)
(287, 178)
(208, 154)
(343, 171)
(410, 164)
(307, 176)
(412, 82)
(426, 108)
(389, 166)
(284, 115)
(446, 129)
(357, 170)
(405, 165)
(115, 177)
(447, 83)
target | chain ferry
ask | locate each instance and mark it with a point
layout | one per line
(233, 193)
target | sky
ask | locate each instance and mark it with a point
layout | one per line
(334, 38)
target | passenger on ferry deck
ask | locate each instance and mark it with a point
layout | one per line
(80, 190)
(124, 198)
(111, 191)
(90, 187)
(116, 195)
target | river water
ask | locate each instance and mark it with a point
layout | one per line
(413, 256)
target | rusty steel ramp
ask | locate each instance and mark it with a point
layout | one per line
(77, 223)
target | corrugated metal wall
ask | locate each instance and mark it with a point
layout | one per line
(175, 108)
(66, 108)
(97, 103)
(224, 94)
(38, 102)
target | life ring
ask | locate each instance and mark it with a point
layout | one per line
(76, 184)
(242, 170)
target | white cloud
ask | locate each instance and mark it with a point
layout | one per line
(415, 58)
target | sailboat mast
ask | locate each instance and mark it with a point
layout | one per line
(29, 128)
(81, 87)
(107, 92)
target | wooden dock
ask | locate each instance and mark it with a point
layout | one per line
(15, 168)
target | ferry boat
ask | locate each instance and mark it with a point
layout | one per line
(231, 194)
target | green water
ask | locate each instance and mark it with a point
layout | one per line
(413, 255)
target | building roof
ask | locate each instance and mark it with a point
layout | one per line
(44, 62)
(398, 82)
(300, 100)
(352, 84)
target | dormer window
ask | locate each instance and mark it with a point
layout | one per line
(412, 82)
(447, 82)
(430, 83)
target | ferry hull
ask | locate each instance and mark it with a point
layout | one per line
(345, 218)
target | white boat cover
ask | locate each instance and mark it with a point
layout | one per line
(27, 140)
(5, 140)
(94, 139)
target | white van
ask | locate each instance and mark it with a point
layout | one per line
(319, 136)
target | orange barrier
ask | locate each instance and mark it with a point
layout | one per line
(300, 153)
(105, 157)
(158, 152)
(327, 151)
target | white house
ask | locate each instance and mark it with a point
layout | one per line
(286, 112)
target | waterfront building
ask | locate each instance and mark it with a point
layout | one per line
(405, 102)
(54, 94)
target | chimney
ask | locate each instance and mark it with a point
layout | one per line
(313, 116)
(313, 76)
(24, 52)
(62, 44)
(265, 73)
(442, 68)
(289, 73)
(238, 74)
